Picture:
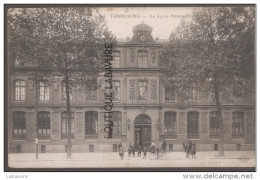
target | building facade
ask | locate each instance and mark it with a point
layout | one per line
(144, 110)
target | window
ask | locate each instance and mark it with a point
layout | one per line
(17, 63)
(114, 147)
(91, 94)
(142, 90)
(214, 124)
(91, 148)
(64, 123)
(44, 123)
(91, 123)
(44, 90)
(170, 123)
(116, 90)
(117, 122)
(193, 94)
(91, 89)
(170, 147)
(43, 148)
(193, 125)
(169, 93)
(237, 93)
(64, 96)
(212, 96)
(19, 125)
(19, 90)
(18, 149)
(215, 147)
(237, 124)
(116, 59)
(142, 58)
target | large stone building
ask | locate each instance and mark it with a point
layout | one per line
(144, 110)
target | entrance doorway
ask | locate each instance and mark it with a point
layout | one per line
(142, 131)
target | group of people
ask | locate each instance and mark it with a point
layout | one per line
(190, 149)
(132, 150)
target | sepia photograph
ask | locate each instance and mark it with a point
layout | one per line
(130, 87)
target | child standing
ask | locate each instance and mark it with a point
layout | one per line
(121, 153)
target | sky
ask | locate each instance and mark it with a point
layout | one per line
(164, 20)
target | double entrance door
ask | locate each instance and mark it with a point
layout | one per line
(142, 135)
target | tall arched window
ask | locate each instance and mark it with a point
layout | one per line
(19, 89)
(91, 123)
(65, 124)
(44, 123)
(214, 124)
(142, 58)
(142, 90)
(117, 122)
(19, 125)
(237, 124)
(193, 125)
(170, 123)
(116, 59)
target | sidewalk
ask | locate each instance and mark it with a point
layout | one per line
(111, 159)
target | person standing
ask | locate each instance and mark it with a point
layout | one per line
(153, 147)
(188, 148)
(164, 144)
(130, 147)
(139, 150)
(120, 145)
(121, 152)
(145, 151)
(133, 151)
(184, 146)
(193, 151)
(157, 151)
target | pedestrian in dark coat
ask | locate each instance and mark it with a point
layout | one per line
(157, 152)
(193, 151)
(130, 147)
(139, 150)
(188, 149)
(189, 145)
(184, 147)
(133, 151)
(164, 144)
(145, 151)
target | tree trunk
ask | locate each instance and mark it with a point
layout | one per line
(219, 116)
(68, 113)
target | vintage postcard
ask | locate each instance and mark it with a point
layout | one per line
(130, 86)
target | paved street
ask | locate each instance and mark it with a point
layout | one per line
(112, 160)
